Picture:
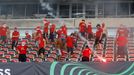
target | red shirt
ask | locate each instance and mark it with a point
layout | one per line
(0, 30)
(59, 32)
(69, 41)
(121, 31)
(99, 32)
(122, 41)
(39, 32)
(64, 29)
(86, 52)
(52, 29)
(74, 39)
(28, 36)
(89, 29)
(22, 49)
(15, 33)
(41, 42)
(46, 27)
(3, 31)
(37, 35)
(82, 27)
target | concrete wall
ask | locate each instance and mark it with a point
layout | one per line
(31, 23)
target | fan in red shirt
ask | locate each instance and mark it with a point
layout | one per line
(89, 31)
(70, 44)
(15, 38)
(41, 46)
(82, 27)
(52, 32)
(46, 24)
(38, 33)
(104, 34)
(63, 38)
(86, 54)
(64, 29)
(0, 30)
(74, 39)
(38, 29)
(28, 36)
(98, 36)
(4, 33)
(22, 50)
(121, 42)
(122, 30)
(59, 31)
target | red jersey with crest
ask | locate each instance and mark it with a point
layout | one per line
(15, 33)
(86, 52)
(22, 49)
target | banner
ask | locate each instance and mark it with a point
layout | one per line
(68, 68)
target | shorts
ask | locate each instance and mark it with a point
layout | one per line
(97, 41)
(90, 36)
(58, 52)
(104, 36)
(85, 58)
(22, 57)
(45, 35)
(63, 40)
(69, 49)
(83, 34)
(14, 44)
(41, 50)
(51, 37)
(122, 50)
(3, 38)
(75, 44)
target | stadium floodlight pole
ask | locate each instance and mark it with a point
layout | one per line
(100, 57)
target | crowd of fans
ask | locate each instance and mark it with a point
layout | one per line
(60, 39)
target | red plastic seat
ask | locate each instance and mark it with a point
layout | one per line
(33, 52)
(5, 49)
(38, 60)
(3, 60)
(96, 60)
(121, 59)
(131, 59)
(53, 55)
(109, 52)
(7, 56)
(53, 52)
(2, 53)
(31, 56)
(75, 56)
(109, 55)
(47, 48)
(131, 55)
(28, 60)
(14, 60)
(77, 51)
(50, 59)
(11, 53)
(74, 59)
(109, 59)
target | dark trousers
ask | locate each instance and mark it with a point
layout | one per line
(122, 51)
(22, 57)
(85, 59)
(69, 49)
(14, 44)
(97, 41)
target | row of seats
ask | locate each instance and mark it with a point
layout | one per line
(9, 55)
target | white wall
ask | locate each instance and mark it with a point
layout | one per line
(31, 23)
